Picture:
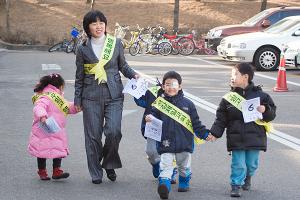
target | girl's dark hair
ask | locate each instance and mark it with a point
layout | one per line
(91, 17)
(245, 68)
(172, 75)
(54, 79)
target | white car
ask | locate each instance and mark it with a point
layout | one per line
(291, 52)
(261, 48)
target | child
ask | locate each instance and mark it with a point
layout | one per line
(43, 143)
(145, 101)
(245, 140)
(177, 138)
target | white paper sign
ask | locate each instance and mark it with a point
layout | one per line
(50, 126)
(136, 88)
(153, 129)
(249, 109)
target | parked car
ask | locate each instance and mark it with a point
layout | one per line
(261, 48)
(256, 23)
(291, 52)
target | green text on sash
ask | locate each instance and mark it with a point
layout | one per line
(58, 100)
(175, 113)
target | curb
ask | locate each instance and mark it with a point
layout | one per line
(11, 46)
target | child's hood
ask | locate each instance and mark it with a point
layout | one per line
(51, 88)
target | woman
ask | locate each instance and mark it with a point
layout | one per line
(98, 93)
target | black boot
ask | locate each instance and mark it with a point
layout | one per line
(235, 191)
(111, 174)
(247, 184)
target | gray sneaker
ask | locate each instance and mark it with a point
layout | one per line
(247, 184)
(235, 191)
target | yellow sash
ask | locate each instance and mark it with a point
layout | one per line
(154, 90)
(58, 100)
(175, 113)
(107, 53)
(236, 100)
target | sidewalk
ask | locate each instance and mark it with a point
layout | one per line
(10, 46)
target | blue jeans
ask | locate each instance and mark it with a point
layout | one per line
(244, 162)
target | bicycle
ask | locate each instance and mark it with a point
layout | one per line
(202, 47)
(121, 31)
(68, 46)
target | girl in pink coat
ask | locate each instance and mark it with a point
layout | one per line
(48, 138)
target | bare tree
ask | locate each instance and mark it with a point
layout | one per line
(176, 16)
(7, 5)
(263, 5)
(92, 3)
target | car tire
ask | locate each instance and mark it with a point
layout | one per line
(266, 59)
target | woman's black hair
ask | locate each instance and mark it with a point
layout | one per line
(54, 79)
(172, 75)
(92, 17)
(245, 68)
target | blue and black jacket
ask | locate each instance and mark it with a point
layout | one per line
(175, 137)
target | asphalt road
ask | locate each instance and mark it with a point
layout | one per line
(205, 80)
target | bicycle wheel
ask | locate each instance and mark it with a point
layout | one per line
(70, 46)
(57, 47)
(175, 48)
(208, 51)
(77, 44)
(134, 49)
(186, 46)
(175, 51)
(165, 48)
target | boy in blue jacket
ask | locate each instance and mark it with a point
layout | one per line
(180, 122)
(145, 101)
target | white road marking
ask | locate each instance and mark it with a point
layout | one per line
(228, 67)
(51, 67)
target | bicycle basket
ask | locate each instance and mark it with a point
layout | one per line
(74, 32)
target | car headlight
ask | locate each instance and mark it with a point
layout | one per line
(217, 33)
(237, 45)
(290, 50)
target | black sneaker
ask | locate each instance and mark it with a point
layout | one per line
(97, 181)
(247, 184)
(111, 174)
(235, 191)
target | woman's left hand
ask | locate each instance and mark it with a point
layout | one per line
(261, 108)
(137, 76)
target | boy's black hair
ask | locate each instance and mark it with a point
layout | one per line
(91, 17)
(54, 79)
(172, 75)
(245, 68)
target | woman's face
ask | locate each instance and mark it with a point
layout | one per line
(237, 79)
(97, 29)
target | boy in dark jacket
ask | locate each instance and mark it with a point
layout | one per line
(245, 140)
(145, 101)
(180, 122)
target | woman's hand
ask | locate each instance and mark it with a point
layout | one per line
(261, 108)
(137, 76)
(78, 108)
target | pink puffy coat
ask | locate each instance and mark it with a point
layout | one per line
(45, 145)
